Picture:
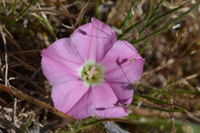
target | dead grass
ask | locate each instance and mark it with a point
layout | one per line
(169, 89)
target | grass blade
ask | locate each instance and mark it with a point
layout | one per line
(153, 21)
(166, 26)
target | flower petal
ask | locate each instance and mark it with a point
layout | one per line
(93, 40)
(123, 91)
(67, 94)
(123, 63)
(60, 61)
(99, 101)
(56, 73)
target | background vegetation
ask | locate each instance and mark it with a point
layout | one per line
(166, 32)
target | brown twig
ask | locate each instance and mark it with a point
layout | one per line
(21, 95)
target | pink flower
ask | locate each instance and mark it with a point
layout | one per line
(91, 72)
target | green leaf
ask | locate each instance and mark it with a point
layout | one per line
(26, 125)
(45, 22)
(128, 17)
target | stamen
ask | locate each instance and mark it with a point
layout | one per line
(92, 72)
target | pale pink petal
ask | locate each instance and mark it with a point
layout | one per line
(93, 40)
(60, 61)
(123, 91)
(63, 49)
(99, 101)
(56, 73)
(67, 94)
(123, 63)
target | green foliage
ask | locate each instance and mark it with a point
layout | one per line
(25, 126)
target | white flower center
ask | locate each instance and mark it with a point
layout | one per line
(92, 73)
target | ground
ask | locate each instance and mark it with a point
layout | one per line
(165, 32)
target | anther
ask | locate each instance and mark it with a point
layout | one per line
(92, 72)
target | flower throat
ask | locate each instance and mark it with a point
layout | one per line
(92, 73)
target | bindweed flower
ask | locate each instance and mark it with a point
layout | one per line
(91, 72)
